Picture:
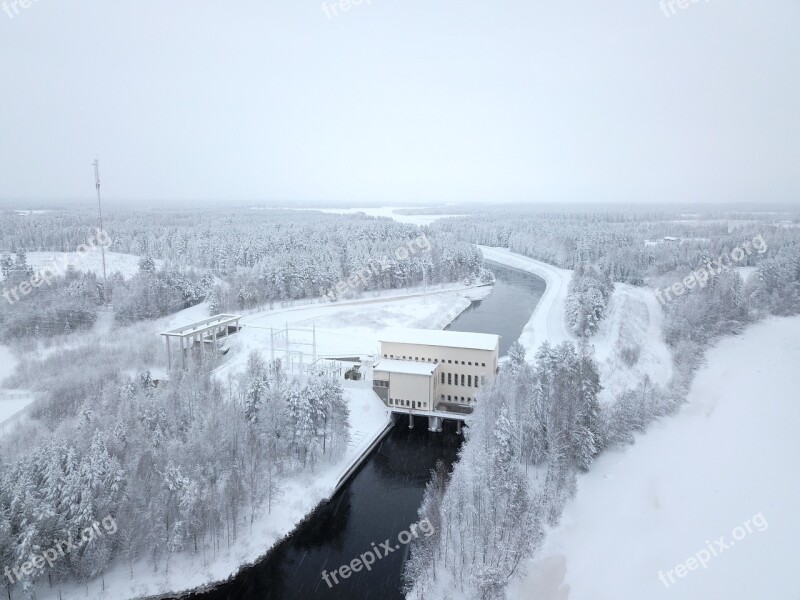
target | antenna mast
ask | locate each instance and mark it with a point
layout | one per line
(96, 165)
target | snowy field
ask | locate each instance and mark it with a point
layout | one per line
(90, 262)
(634, 319)
(349, 328)
(692, 479)
(11, 401)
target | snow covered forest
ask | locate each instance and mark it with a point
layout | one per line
(184, 467)
(540, 424)
(237, 259)
(181, 468)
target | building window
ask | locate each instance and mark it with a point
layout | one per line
(469, 363)
(462, 362)
(450, 361)
(476, 381)
(384, 356)
(391, 356)
(442, 397)
(442, 377)
(462, 398)
(469, 380)
(448, 397)
(462, 379)
(381, 383)
(483, 364)
(449, 379)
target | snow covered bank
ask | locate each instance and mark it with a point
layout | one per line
(692, 479)
(368, 417)
(634, 322)
(547, 322)
(342, 328)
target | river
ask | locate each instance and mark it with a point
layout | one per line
(381, 500)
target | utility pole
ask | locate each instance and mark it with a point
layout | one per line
(96, 165)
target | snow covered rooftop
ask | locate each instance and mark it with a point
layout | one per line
(407, 367)
(436, 337)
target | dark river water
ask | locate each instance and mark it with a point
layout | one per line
(507, 309)
(381, 500)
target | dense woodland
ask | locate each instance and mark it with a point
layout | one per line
(511, 480)
(533, 431)
(181, 468)
(238, 260)
(185, 467)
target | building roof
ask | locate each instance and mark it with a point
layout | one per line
(205, 324)
(436, 337)
(407, 367)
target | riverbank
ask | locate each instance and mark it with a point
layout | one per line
(724, 459)
(346, 328)
(299, 498)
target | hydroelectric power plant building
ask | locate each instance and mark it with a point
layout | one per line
(434, 373)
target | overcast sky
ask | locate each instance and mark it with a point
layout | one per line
(401, 100)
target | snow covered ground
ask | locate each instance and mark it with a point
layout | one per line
(690, 482)
(343, 328)
(368, 417)
(90, 262)
(348, 328)
(547, 322)
(633, 320)
(12, 402)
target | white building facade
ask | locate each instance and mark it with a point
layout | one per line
(426, 370)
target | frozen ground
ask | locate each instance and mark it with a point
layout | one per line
(349, 328)
(727, 457)
(90, 262)
(368, 418)
(11, 401)
(547, 322)
(634, 320)
(343, 328)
